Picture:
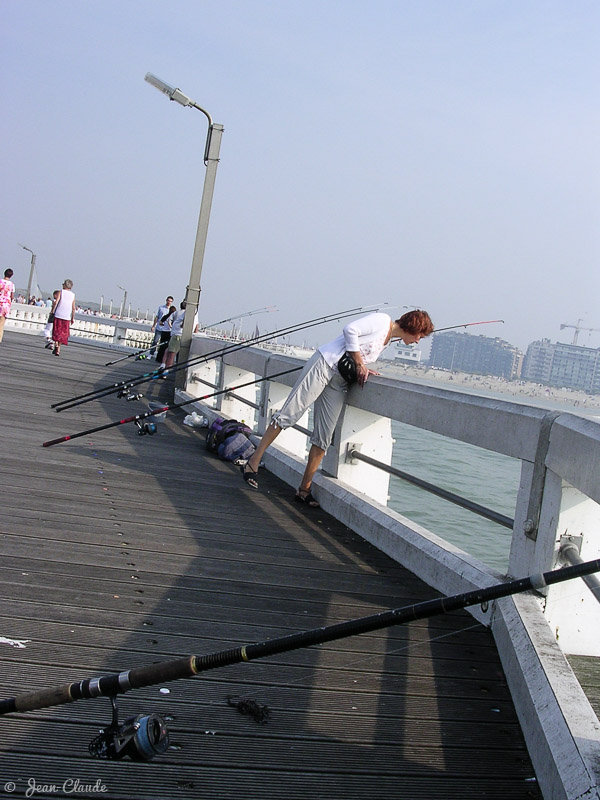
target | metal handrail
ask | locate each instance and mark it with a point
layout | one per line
(470, 505)
(570, 552)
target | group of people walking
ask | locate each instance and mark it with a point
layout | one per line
(60, 319)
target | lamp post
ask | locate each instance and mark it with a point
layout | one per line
(211, 160)
(31, 271)
(122, 312)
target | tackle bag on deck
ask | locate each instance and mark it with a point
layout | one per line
(230, 440)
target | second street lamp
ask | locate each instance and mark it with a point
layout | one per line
(31, 270)
(211, 160)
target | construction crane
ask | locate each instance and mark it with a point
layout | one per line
(577, 329)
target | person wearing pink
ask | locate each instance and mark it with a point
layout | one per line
(63, 309)
(7, 293)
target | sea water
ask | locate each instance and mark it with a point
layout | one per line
(488, 478)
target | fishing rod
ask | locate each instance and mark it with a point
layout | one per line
(96, 394)
(142, 429)
(103, 391)
(144, 736)
(139, 353)
(468, 325)
(268, 309)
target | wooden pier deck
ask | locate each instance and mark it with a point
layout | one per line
(118, 550)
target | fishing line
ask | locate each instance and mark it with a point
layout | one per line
(97, 393)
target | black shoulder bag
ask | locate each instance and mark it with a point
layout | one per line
(347, 368)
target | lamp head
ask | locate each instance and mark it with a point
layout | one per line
(172, 94)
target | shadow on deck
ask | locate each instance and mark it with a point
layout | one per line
(119, 550)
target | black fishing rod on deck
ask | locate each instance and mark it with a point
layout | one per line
(139, 353)
(96, 394)
(138, 418)
(144, 736)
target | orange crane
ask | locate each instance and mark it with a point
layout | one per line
(577, 329)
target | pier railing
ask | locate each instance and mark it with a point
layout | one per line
(86, 327)
(557, 505)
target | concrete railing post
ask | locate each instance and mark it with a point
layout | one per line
(372, 436)
(230, 406)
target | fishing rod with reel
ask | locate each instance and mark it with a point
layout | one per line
(150, 428)
(95, 394)
(144, 736)
(140, 354)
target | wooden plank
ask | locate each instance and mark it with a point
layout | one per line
(118, 550)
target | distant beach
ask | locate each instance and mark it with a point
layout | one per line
(521, 391)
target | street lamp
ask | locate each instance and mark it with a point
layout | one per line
(211, 160)
(122, 312)
(31, 271)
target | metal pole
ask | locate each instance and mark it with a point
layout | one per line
(192, 296)
(31, 274)
(31, 270)
(122, 311)
(570, 553)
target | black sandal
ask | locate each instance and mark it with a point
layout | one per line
(248, 476)
(305, 496)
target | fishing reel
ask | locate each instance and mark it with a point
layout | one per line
(141, 737)
(145, 428)
(129, 395)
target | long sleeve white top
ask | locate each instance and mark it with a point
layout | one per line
(367, 335)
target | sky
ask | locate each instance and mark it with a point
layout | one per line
(432, 153)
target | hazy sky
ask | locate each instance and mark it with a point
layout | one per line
(440, 153)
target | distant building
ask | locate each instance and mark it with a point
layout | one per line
(407, 354)
(563, 365)
(478, 355)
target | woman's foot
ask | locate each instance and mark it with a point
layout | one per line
(305, 496)
(56, 350)
(248, 474)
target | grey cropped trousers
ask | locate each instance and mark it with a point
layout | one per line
(319, 384)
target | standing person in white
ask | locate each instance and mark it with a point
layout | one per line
(63, 309)
(159, 327)
(323, 382)
(175, 341)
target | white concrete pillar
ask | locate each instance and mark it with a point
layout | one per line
(272, 396)
(197, 373)
(572, 610)
(373, 435)
(231, 407)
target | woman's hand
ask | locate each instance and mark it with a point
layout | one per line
(362, 374)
